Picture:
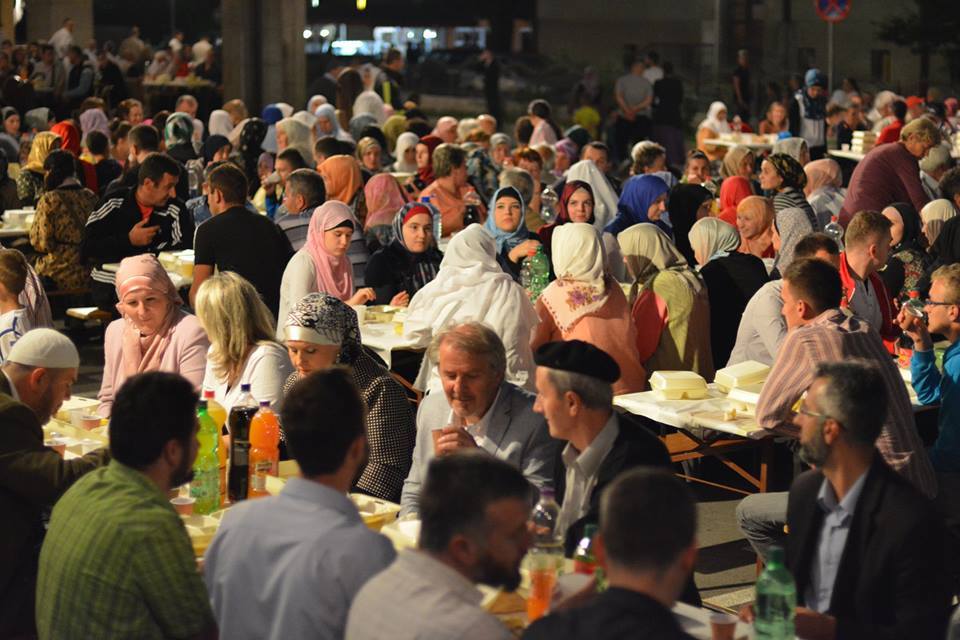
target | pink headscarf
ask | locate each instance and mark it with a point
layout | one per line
(144, 353)
(384, 199)
(822, 173)
(334, 275)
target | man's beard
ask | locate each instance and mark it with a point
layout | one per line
(184, 472)
(491, 573)
(815, 452)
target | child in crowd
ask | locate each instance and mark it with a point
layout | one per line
(13, 318)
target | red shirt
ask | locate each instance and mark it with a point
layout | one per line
(890, 133)
(145, 211)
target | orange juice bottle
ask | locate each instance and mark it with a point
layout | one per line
(264, 449)
(216, 411)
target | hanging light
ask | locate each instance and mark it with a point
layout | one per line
(361, 5)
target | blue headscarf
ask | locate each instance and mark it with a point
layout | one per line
(639, 192)
(272, 114)
(506, 239)
(329, 112)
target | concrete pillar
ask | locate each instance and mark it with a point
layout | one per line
(46, 16)
(7, 28)
(263, 52)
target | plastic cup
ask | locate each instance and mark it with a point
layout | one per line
(436, 433)
(57, 445)
(89, 421)
(722, 626)
(361, 311)
(845, 146)
(183, 505)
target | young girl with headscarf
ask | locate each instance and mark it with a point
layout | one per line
(586, 303)
(732, 278)
(322, 265)
(410, 261)
(505, 223)
(643, 200)
(153, 333)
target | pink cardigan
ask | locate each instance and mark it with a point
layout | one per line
(186, 355)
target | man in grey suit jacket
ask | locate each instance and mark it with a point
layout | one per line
(478, 408)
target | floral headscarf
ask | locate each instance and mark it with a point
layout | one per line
(581, 287)
(320, 318)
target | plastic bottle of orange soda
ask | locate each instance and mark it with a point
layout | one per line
(219, 414)
(264, 449)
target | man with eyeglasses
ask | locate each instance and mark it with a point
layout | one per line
(866, 549)
(942, 311)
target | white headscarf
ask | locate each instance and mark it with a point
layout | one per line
(934, 214)
(712, 238)
(604, 197)
(405, 141)
(578, 261)
(285, 109)
(315, 101)
(306, 118)
(220, 123)
(299, 137)
(372, 104)
(471, 285)
(712, 122)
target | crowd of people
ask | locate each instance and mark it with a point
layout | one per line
(659, 260)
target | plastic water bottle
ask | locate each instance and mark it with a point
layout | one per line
(539, 271)
(548, 205)
(238, 469)
(219, 416)
(264, 449)
(194, 176)
(546, 555)
(205, 486)
(776, 600)
(526, 275)
(437, 222)
(835, 231)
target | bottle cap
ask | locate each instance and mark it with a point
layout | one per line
(265, 403)
(531, 253)
(775, 555)
(208, 394)
(590, 530)
(546, 494)
(834, 218)
(914, 295)
(245, 387)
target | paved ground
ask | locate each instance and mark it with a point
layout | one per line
(726, 566)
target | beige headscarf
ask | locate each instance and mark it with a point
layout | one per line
(43, 143)
(822, 173)
(934, 214)
(733, 160)
(581, 287)
(648, 251)
(712, 238)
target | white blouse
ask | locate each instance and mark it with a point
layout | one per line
(266, 369)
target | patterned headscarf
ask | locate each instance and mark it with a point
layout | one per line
(43, 143)
(251, 137)
(582, 286)
(789, 170)
(320, 318)
(178, 129)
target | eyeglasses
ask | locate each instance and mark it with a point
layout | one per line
(933, 303)
(802, 410)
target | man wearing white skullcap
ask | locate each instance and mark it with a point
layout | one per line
(35, 380)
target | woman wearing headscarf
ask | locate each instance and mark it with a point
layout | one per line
(733, 191)
(586, 303)
(70, 141)
(38, 119)
(153, 333)
(328, 125)
(322, 265)
(10, 134)
(795, 147)
(576, 204)
(739, 161)
(934, 214)
(393, 128)
(406, 153)
(471, 285)
(359, 123)
(790, 226)
(295, 135)
(755, 224)
(446, 129)
(178, 136)
(644, 199)
(271, 114)
(823, 189)
(371, 104)
(249, 148)
(687, 203)
(343, 180)
(369, 155)
(784, 176)
(670, 307)
(219, 123)
(605, 198)
(383, 199)
(424, 158)
(322, 332)
(907, 260)
(505, 223)
(315, 101)
(59, 223)
(93, 120)
(30, 179)
(732, 278)
(215, 148)
(404, 266)
(711, 127)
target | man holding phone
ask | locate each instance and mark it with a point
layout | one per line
(145, 219)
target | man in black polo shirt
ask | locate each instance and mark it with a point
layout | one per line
(147, 218)
(237, 240)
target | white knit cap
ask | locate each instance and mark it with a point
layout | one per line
(45, 348)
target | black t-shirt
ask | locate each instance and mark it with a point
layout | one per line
(668, 101)
(249, 244)
(744, 74)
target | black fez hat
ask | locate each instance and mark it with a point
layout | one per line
(580, 357)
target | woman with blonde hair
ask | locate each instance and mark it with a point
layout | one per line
(242, 345)
(755, 224)
(30, 180)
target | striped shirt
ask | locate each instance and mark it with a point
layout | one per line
(830, 337)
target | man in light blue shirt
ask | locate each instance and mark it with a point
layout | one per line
(289, 566)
